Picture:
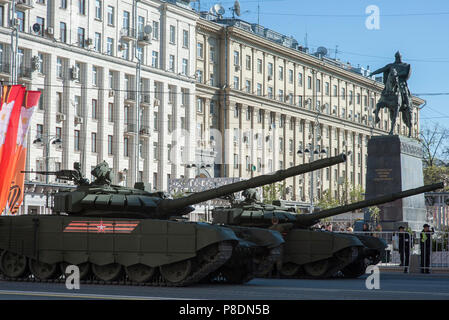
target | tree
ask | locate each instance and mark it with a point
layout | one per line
(274, 191)
(434, 140)
(435, 143)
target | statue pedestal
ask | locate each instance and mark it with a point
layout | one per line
(395, 164)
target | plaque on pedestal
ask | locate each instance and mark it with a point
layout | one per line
(395, 164)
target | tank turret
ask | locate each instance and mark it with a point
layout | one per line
(102, 199)
(248, 215)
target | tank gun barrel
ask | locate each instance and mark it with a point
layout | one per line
(251, 183)
(310, 219)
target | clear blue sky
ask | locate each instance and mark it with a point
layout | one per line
(418, 29)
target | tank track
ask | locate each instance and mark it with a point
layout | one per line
(225, 251)
(268, 261)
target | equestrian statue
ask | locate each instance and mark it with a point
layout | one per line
(396, 95)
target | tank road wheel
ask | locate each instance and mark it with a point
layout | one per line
(44, 271)
(176, 272)
(13, 265)
(355, 269)
(289, 269)
(317, 269)
(140, 273)
(83, 267)
(108, 272)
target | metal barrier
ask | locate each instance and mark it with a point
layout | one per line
(431, 252)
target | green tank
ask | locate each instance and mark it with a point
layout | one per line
(114, 234)
(310, 252)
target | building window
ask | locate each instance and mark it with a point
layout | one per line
(318, 85)
(259, 89)
(236, 83)
(125, 51)
(59, 72)
(59, 101)
(335, 91)
(63, 4)
(39, 131)
(125, 147)
(236, 58)
(199, 50)
(82, 7)
(111, 15)
(140, 25)
(171, 63)
(41, 60)
(185, 38)
(41, 22)
(140, 55)
(155, 30)
(281, 73)
(236, 161)
(290, 76)
(94, 108)
(111, 112)
(110, 46)
(98, 6)
(126, 20)
(248, 86)
(185, 66)
(110, 141)
(63, 32)
(58, 132)
(248, 62)
(77, 140)
(281, 95)
(155, 151)
(300, 79)
(326, 88)
(300, 101)
(270, 92)
(309, 82)
(21, 19)
(212, 54)
(155, 121)
(270, 69)
(200, 76)
(172, 34)
(155, 59)
(97, 44)
(259, 65)
(93, 142)
(199, 105)
(78, 106)
(81, 37)
(94, 76)
(343, 93)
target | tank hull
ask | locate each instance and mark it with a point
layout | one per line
(257, 253)
(151, 244)
(318, 254)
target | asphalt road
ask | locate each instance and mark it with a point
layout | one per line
(392, 286)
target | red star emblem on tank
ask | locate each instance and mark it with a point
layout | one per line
(101, 227)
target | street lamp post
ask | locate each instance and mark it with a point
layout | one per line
(46, 141)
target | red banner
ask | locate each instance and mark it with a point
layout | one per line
(16, 193)
(12, 99)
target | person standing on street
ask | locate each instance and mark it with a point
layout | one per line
(405, 243)
(426, 248)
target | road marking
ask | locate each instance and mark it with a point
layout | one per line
(82, 295)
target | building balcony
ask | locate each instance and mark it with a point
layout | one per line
(24, 73)
(130, 129)
(128, 34)
(5, 69)
(144, 131)
(144, 39)
(145, 99)
(24, 4)
(130, 97)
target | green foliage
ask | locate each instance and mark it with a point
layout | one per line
(178, 194)
(271, 192)
(348, 194)
(435, 174)
(374, 213)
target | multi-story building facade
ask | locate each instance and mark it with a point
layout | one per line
(265, 104)
(83, 55)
